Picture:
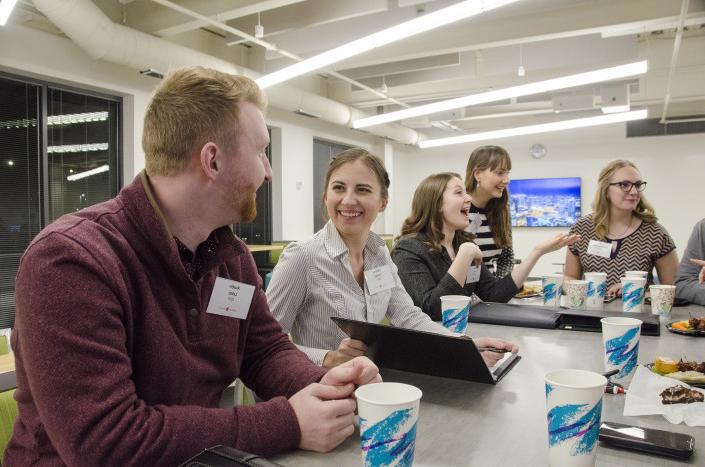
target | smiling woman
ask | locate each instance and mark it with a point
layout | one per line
(345, 270)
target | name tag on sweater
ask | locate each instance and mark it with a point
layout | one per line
(379, 279)
(230, 298)
(473, 274)
(598, 248)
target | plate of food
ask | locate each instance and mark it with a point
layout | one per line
(688, 327)
(530, 290)
(690, 372)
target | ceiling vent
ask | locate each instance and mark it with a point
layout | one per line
(654, 127)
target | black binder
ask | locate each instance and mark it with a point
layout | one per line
(589, 320)
(424, 352)
(525, 316)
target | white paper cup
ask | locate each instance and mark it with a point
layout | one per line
(455, 310)
(643, 274)
(662, 300)
(597, 286)
(620, 343)
(388, 414)
(576, 291)
(632, 293)
(574, 410)
(552, 285)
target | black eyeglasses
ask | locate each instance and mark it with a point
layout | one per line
(626, 185)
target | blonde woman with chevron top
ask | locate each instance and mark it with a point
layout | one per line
(622, 233)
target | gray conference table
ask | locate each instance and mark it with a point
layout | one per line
(463, 423)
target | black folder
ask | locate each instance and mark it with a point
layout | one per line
(424, 352)
(525, 316)
(589, 320)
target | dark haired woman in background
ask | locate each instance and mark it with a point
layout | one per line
(486, 180)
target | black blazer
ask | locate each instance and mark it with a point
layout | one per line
(424, 274)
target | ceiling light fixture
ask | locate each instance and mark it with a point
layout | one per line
(535, 129)
(564, 82)
(438, 18)
(521, 71)
(88, 173)
(6, 7)
(259, 29)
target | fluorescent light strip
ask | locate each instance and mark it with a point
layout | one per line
(611, 109)
(564, 82)
(535, 129)
(439, 18)
(6, 7)
(69, 119)
(88, 173)
(77, 148)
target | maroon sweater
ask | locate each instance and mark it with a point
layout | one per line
(118, 362)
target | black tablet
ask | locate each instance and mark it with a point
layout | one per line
(424, 352)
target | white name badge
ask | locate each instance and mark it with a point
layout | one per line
(473, 274)
(230, 298)
(379, 279)
(598, 248)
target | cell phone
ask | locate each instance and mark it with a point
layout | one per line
(610, 298)
(659, 442)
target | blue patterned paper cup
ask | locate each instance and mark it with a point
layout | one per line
(574, 410)
(388, 415)
(597, 287)
(632, 293)
(552, 285)
(620, 342)
(455, 310)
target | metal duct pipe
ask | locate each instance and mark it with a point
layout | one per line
(102, 39)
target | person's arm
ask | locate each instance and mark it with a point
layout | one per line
(522, 271)
(418, 280)
(73, 357)
(572, 268)
(688, 284)
(666, 267)
(287, 293)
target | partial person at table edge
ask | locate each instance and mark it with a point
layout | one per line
(434, 253)
(691, 271)
(332, 274)
(625, 222)
(120, 359)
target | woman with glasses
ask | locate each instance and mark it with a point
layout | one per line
(621, 234)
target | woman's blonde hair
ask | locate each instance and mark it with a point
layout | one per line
(191, 107)
(498, 218)
(426, 212)
(601, 205)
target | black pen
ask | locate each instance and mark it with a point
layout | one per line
(493, 349)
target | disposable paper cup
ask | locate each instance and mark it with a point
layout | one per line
(388, 414)
(632, 293)
(662, 300)
(576, 290)
(574, 410)
(455, 310)
(597, 286)
(552, 285)
(620, 342)
(643, 274)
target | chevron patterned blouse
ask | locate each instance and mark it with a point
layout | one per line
(637, 251)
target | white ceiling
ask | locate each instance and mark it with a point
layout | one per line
(554, 37)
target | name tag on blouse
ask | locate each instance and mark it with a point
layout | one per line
(473, 274)
(230, 298)
(598, 248)
(379, 279)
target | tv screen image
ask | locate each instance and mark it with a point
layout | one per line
(544, 202)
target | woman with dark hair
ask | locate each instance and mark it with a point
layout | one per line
(436, 256)
(486, 180)
(623, 222)
(345, 270)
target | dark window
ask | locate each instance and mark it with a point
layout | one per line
(323, 152)
(47, 135)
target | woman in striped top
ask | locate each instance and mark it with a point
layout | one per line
(623, 219)
(345, 270)
(486, 179)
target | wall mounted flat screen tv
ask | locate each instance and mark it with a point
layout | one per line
(544, 202)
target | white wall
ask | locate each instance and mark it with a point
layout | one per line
(674, 167)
